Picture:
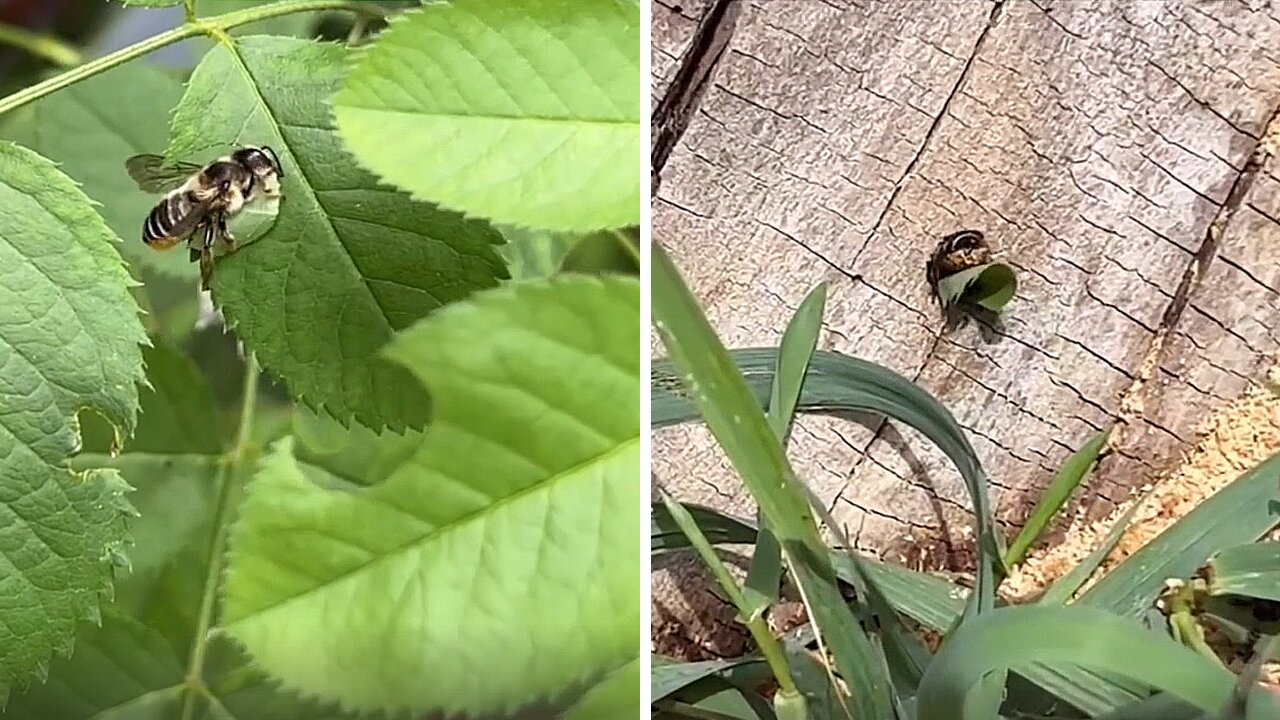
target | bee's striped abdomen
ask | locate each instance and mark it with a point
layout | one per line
(165, 217)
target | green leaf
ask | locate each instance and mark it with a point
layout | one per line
(1076, 635)
(1238, 513)
(512, 534)
(605, 251)
(798, 342)
(532, 254)
(173, 463)
(1251, 570)
(836, 383)
(666, 536)
(90, 128)
(122, 670)
(526, 112)
(617, 696)
(989, 286)
(348, 263)
(334, 456)
(738, 424)
(668, 677)
(152, 3)
(69, 339)
(1055, 496)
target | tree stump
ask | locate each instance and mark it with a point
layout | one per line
(1120, 155)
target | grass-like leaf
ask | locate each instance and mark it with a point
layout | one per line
(668, 676)
(1236, 514)
(522, 111)
(347, 262)
(666, 536)
(512, 533)
(69, 339)
(1077, 635)
(838, 383)
(1065, 481)
(90, 128)
(1251, 570)
(989, 286)
(1065, 587)
(798, 343)
(738, 423)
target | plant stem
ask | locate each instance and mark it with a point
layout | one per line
(44, 46)
(237, 464)
(769, 646)
(205, 26)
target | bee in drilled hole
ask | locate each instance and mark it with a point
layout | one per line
(957, 252)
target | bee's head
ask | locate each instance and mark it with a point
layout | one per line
(259, 160)
(964, 240)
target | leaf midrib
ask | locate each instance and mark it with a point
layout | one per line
(461, 521)
(234, 50)
(628, 124)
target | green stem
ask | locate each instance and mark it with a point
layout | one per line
(769, 646)
(205, 26)
(189, 7)
(235, 470)
(46, 47)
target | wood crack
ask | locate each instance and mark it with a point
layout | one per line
(692, 78)
(1131, 406)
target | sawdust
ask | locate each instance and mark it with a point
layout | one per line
(1235, 439)
(1238, 437)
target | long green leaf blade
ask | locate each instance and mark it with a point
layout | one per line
(738, 424)
(523, 111)
(1236, 514)
(1251, 570)
(837, 382)
(798, 342)
(348, 262)
(1077, 635)
(1055, 496)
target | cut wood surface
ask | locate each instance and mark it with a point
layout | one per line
(1120, 155)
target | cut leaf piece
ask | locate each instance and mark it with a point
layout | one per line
(69, 339)
(513, 533)
(522, 111)
(347, 262)
(989, 286)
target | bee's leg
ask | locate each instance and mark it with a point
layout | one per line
(227, 238)
(206, 257)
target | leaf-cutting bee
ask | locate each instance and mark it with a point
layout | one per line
(957, 252)
(200, 199)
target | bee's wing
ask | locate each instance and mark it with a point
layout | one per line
(154, 174)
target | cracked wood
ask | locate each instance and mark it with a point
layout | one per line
(1105, 149)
